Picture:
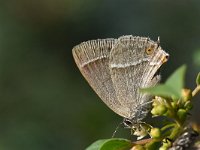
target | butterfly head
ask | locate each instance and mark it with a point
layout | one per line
(139, 129)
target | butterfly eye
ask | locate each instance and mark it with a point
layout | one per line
(150, 50)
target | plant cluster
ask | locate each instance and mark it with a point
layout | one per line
(173, 101)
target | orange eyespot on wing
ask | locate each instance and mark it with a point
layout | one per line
(150, 50)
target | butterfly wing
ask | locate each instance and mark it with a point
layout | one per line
(130, 70)
(92, 59)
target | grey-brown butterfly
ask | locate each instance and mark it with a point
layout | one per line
(116, 69)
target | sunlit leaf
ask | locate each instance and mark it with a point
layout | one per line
(161, 90)
(176, 80)
(111, 144)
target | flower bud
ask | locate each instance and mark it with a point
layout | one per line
(161, 109)
(186, 94)
(174, 105)
(155, 133)
(154, 111)
(182, 114)
(163, 147)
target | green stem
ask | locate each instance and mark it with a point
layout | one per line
(174, 132)
(167, 126)
(178, 122)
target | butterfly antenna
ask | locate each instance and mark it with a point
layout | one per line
(116, 129)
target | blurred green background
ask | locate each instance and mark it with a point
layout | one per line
(45, 103)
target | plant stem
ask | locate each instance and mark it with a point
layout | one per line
(196, 90)
(178, 122)
(142, 142)
(167, 126)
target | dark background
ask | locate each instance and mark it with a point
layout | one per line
(45, 103)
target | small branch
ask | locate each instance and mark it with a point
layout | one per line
(174, 116)
(167, 126)
(196, 90)
(142, 142)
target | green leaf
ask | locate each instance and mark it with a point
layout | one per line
(161, 90)
(176, 80)
(198, 79)
(111, 144)
(96, 145)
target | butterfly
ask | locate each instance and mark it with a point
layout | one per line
(117, 69)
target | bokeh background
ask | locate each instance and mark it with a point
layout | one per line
(45, 103)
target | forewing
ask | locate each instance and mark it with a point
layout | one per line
(92, 59)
